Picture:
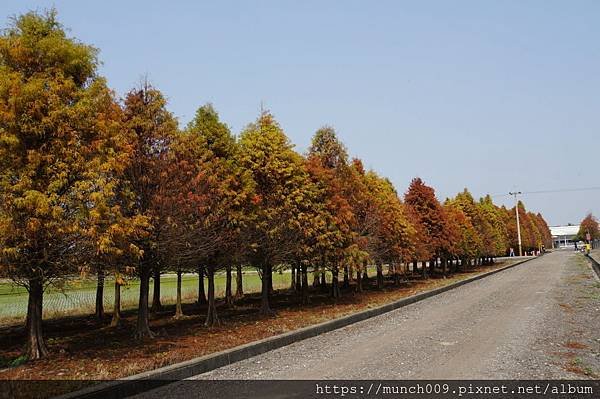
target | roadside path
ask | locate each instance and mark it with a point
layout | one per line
(535, 321)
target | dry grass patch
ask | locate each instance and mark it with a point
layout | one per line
(575, 345)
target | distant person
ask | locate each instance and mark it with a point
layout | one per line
(575, 245)
(511, 252)
(588, 247)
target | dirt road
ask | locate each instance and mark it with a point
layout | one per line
(537, 320)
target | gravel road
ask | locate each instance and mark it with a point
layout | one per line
(537, 320)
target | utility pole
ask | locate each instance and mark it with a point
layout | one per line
(518, 224)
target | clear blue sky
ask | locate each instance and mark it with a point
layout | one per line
(491, 95)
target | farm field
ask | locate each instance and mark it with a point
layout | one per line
(78, 296)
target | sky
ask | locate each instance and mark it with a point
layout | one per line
(495, 96)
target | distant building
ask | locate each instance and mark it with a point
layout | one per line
(562, 236)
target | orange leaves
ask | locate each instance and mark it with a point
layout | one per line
(61, 149)
(589, 225)
(463, 238)
(201, 193)
(429, 219)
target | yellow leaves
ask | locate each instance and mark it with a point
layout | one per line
(35, 202)
(104, 244)
(8, 140)
(9, 252)
(137, 250)
(95, 214)
(120, 281)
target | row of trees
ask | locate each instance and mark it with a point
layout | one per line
(89, 183)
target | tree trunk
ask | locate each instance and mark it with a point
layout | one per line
(265, 307)
(445, 267)
(270, 279)
(143, 326)
(239, 289)
(305, 298)
(323, 281)
(156, 305)
(335, 283)
(116, 316)
(359, 286)
(36, 347)
(211, 314)
(316, 279)
(100, 295)
(346, 277)
(228, 290)
(379, 275)
(293, 278)
(424, 269)
(201, 292)
(397, 273)
(299, 277)
(365, 276)
(178, 309)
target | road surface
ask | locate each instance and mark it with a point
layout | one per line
(536, 320)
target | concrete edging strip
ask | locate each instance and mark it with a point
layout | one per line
(595, 264)
(148, 380)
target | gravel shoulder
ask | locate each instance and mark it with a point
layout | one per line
(538, 320)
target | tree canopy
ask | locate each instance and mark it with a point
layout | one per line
(91, 183)
(589, 225)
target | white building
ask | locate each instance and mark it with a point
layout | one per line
(562, 236)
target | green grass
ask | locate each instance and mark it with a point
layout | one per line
(79, 296)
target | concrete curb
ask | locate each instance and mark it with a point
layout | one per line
(153, 379)
(595, 265)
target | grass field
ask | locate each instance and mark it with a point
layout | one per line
(79, 296)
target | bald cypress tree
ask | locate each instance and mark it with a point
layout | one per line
(152, 130)
(429, 217)
(328, 166)
(281, 183)
(60, 144)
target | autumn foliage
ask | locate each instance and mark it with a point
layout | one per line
(93, 184)
(587, 228)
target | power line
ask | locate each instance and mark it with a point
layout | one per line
(562, 190)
